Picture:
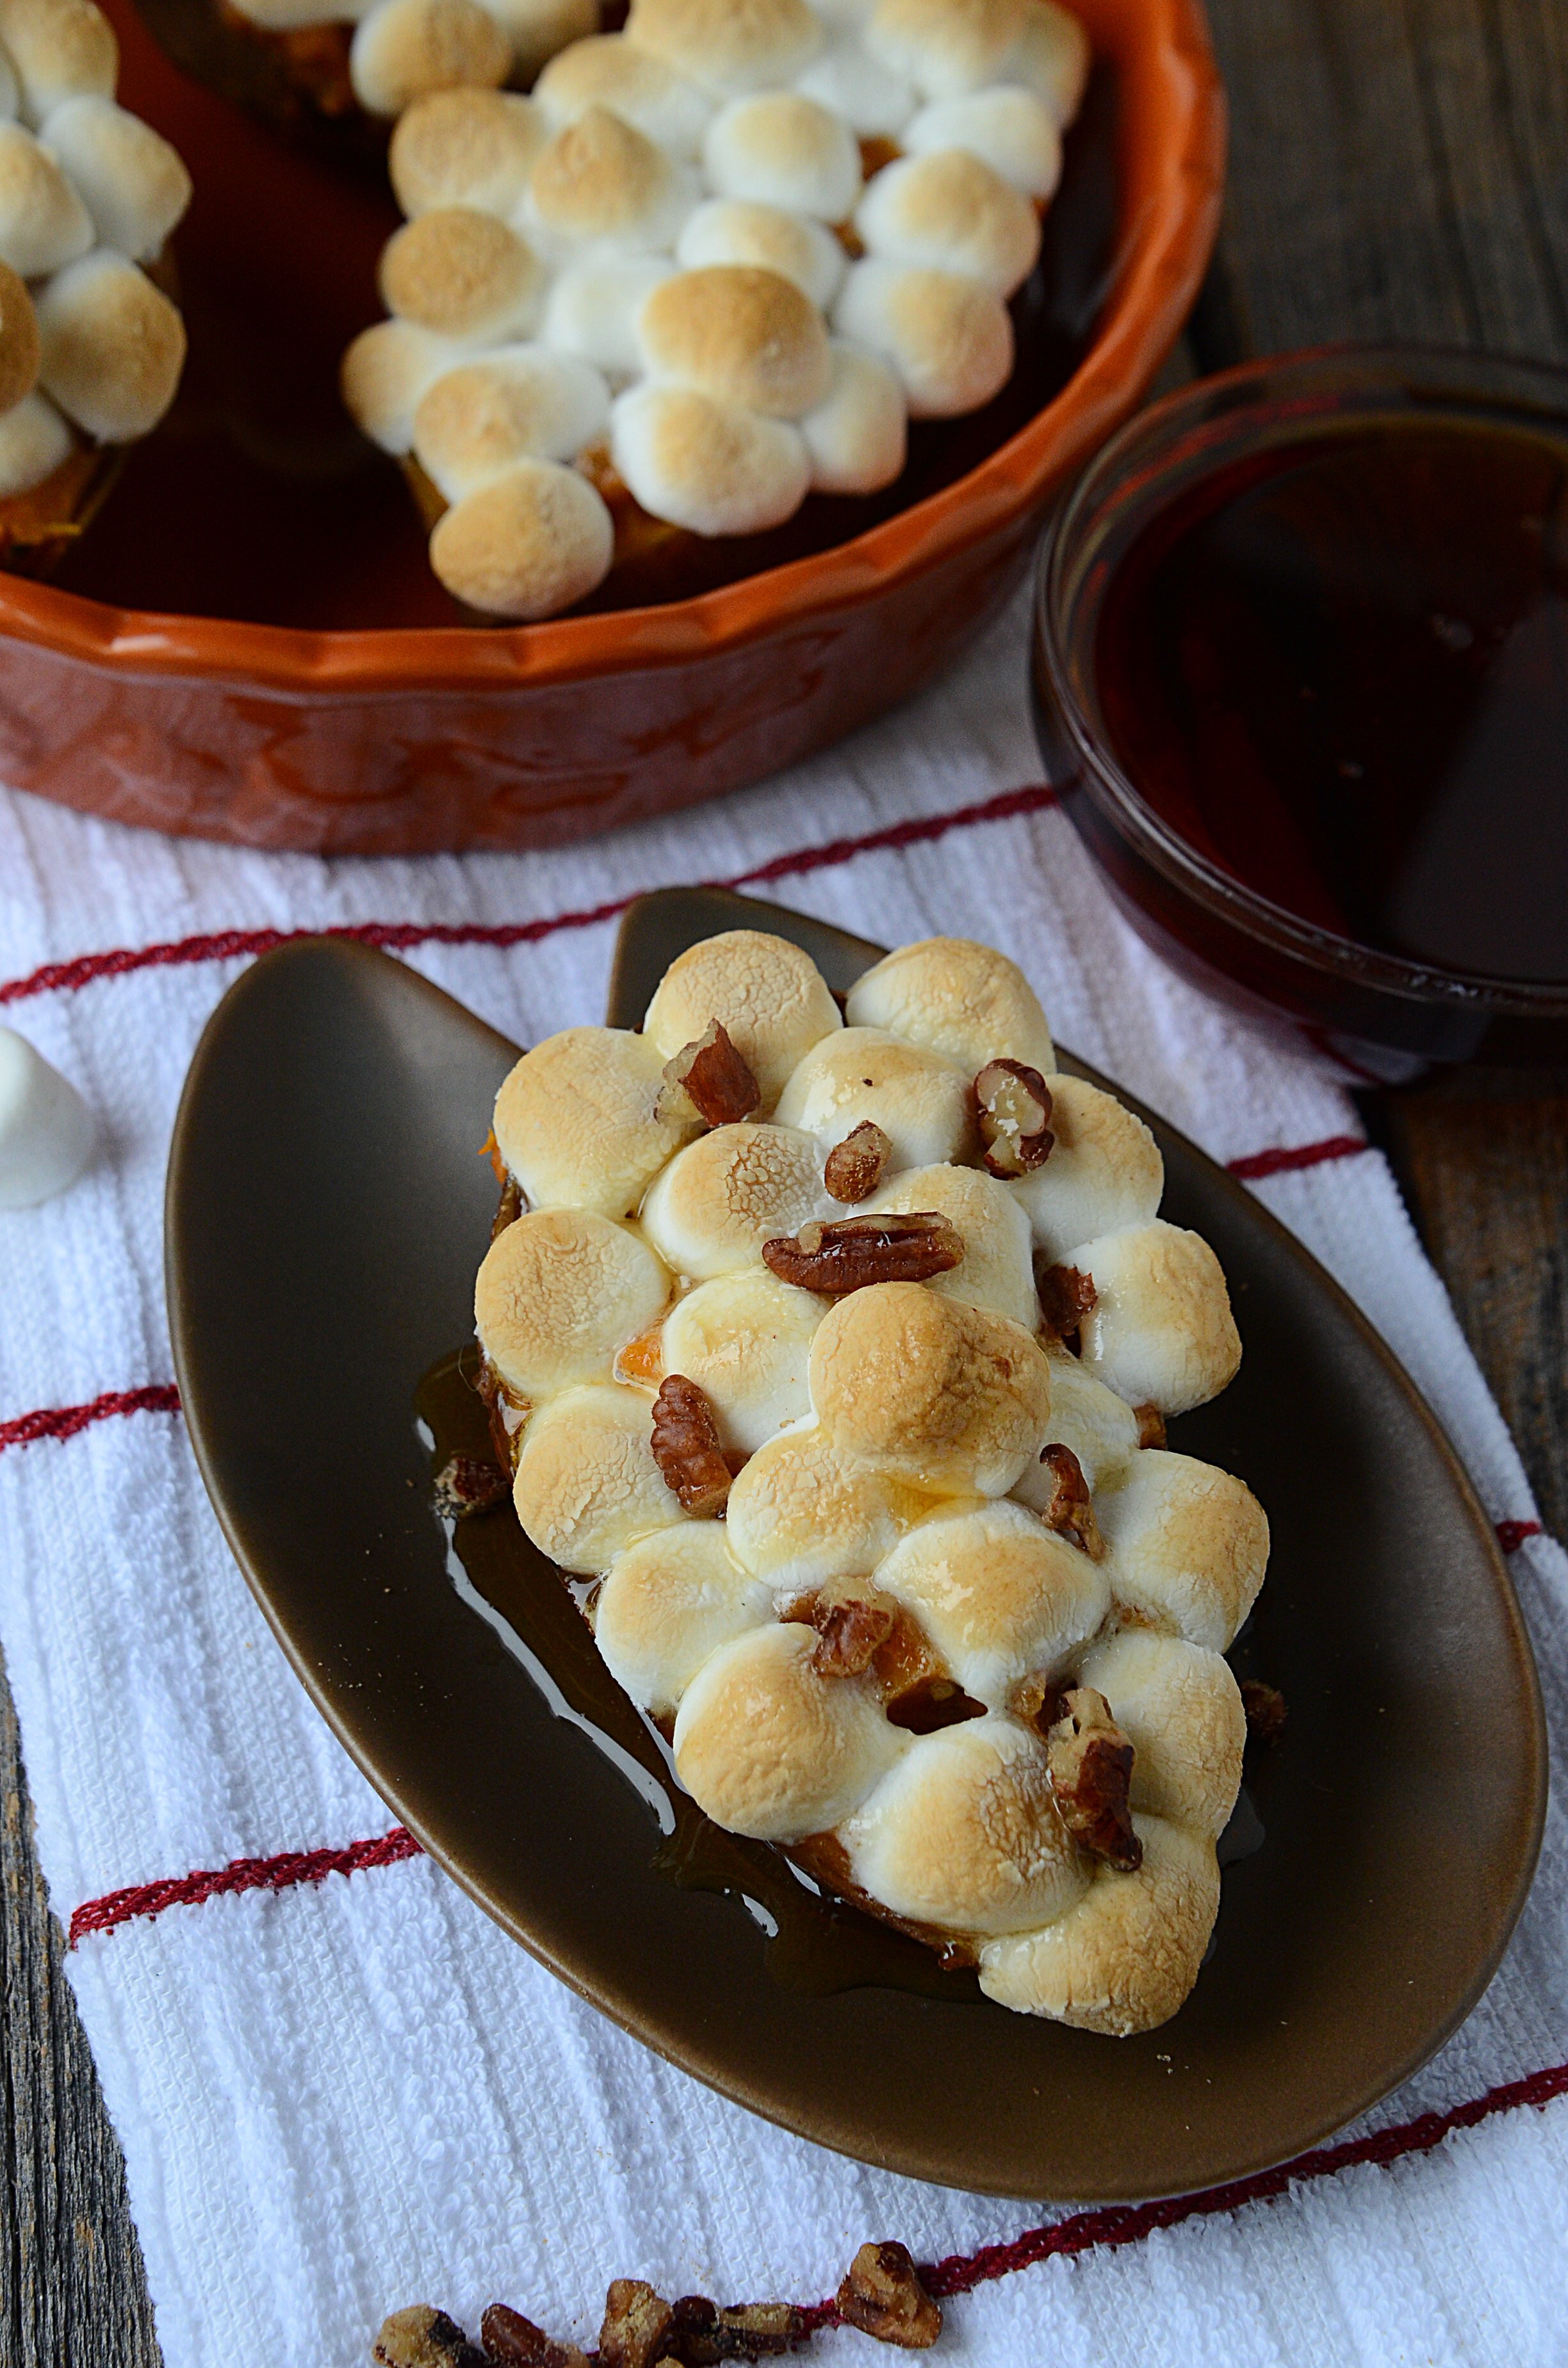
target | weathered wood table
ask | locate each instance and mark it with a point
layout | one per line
(1399, 167)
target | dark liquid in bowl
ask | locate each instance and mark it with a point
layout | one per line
(1339, 670)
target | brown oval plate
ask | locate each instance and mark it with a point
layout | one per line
(327, 1212)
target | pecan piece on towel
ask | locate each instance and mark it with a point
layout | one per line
(468, 1484)
(715, 1078)
(1091, 1773)
(1014, 1105)
(514, 2342)
(854, 1168)
(1066, 1296)
(701, 2334)
(422, 2338)
(636, 2322)
(1071, 1512)
(686, 1449)
(849, 1253)
(882, 2295)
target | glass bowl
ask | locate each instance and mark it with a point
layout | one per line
(1377, 1011)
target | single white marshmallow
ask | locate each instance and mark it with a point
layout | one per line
(386, 372)
(780, 149)
(857, 436)
(593, 309)
(43, 223)
(874, 101)
(948, 336)
(1011, 129)
(134, 185)
(949, 212)
(733, 230)
(34, 439)
(514, 403)
(46, 1131)
(705, 465)
(608, 71)
(1051, 57)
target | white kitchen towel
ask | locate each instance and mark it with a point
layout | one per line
(341, 2094)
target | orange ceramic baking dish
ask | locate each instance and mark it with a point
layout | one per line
(407, 736)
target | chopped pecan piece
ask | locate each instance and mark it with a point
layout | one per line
(1066, 1296)
(636, 2322)
(1266, 1709)
(1071, 1510)
(509, 1207)
(422, 2338)
(849, 1253)
(468, 1484)
(850, 1634)
(854, 1168)
(715, 1077)
(686, 1449)
(1150, 1425)
(514, 2342)
(883, 2296)
(1090, 1772)
(1014, 1103)
(700, 2333)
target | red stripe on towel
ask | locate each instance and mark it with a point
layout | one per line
(1284, 1162)
(398, 937)
(65, 1422)
(280, 1874)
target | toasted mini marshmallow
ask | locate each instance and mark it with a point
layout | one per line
(780, 149)
(966, 1001)
(20, 348)
(1161, 1332)
(537, 28)
(746, 1339)
(1103, 1174)
(1181, 1710)
(669, 1601)
(34, 440)
(579, 1121)
(874, 102)
(134, 184)
(857, 436)
(1051, 57)
(949, 1398)
(711, 467)
(804, 1511)
(43, 223)
(601, 184)
(949, 337)
(768, 1749)
(740, 335)
(1100, 1429)
(727, 49)
(526, 544)
(922, 1103)
(559, 1292)
(950, 212)
(1014, 132)
(999, 1596)
(1188, 1545)
(385, 372)
(964, 1833)
(466, 148)
(609, 71)
(997, 1270)
(728, 230)
(517, 402)
(712, 1209)
(462, 274)
(113, 347)
(59, 49)
(403, 49)
(1125, 1956)
(767, 994)
(46, 1131)
(587, 1486)
(594, 308)
(945, 47)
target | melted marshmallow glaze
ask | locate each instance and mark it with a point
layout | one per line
(745, 246)
(889, 1447)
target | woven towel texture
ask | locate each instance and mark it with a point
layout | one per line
(340, 2097)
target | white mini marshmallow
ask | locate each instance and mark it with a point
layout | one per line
(780, 149)
(640, 89)
(949, 212)
(1011, 129)
(386, 372)
(600, 187)
(46, 1132)
(34, 439)
(942, 49)
(706, 465)
(132, 182)
(1051, 57)
(948, 339)
(515, 403)
(466, 148)
(733, 230)
(874, 101)
(593, 309)
(113, 347)
(43, 223)
(857, 436)
(58, 48)
(405, 48)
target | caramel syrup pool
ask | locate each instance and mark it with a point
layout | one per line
(1339, 670)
